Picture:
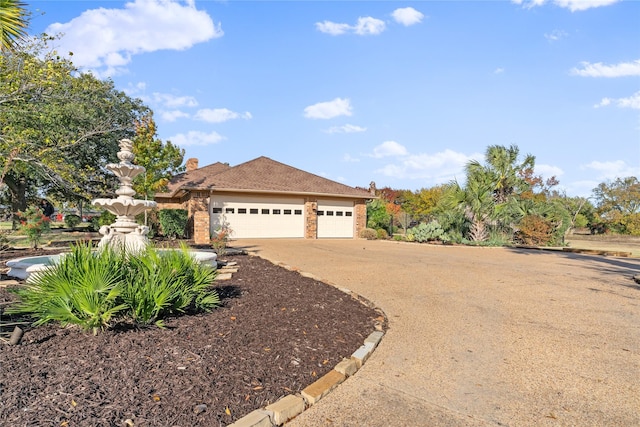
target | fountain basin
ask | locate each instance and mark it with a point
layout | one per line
(23, 268)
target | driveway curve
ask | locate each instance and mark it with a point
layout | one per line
(481, 336)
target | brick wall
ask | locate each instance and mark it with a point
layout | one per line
(361, 217)
(201, 234)
(311, 218)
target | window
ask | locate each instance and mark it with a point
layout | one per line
(338, 213)
(347, 213)
(329, 213)
(253, 211)
(320, 213)
(276, 212)
(242, 211)
(298, 212)
(216, 210)
(265, 211)
(287, 211)
(229, 210)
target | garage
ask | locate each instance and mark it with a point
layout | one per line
(335, 219)
(263, 198)
(258, 217)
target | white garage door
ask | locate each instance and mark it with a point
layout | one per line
(335, 218)
(255, 217)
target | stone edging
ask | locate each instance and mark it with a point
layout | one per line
(292, 405)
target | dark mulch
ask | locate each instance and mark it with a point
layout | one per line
(276, 333)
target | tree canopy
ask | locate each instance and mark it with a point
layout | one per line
(59, 126)
(161, 160)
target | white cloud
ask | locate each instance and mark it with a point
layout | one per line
(173, 115)
(632, 102)
(346, 129)
(329, 109)
(369, 26)
(365, 26)
(220, 115)
(332, 28)
(611, 169)
(572, 5)
(547, 171)
(389, 149)
(623, 69)
(438, 168)
(498, 70)
(555, 35)
(194, 137)
(171, 101)
(104, 40)
(407, 16)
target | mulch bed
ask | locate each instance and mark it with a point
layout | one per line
(275, 333)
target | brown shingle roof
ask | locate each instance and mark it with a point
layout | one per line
(262, 175)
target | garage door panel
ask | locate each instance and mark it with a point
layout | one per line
(255, 217)
(335, 219)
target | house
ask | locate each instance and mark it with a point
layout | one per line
(263, 198)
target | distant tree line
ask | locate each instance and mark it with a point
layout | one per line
(503, 201)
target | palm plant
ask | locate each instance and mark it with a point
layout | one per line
(81, 289)
(13, 24)
(476, 201)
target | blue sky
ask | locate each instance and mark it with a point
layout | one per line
(400, 93)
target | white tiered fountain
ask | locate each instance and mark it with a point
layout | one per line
(125, 233)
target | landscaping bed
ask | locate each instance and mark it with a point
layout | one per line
(275, 333)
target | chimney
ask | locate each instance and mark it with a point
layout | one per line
(192, 164)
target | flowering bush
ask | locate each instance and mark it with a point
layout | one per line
(220, 240)
(33, 223)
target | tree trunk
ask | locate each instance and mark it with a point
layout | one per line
(18, 190)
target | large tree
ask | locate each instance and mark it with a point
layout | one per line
(59, 126)
(618, 203)
(161, 160)
(14, 19)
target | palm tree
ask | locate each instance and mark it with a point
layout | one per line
(475, 201)
(504, 169)
(13, 24)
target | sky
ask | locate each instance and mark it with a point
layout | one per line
(403, 94)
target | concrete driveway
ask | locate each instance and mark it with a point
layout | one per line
(481, 336)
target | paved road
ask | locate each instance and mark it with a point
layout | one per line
(482, 336)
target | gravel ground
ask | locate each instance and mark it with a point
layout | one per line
(482, 336)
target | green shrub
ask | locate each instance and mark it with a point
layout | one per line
(399, 238)
(369, 234)
(106, 218)
(382, 234)
(94, 290)
(72, 220)
(173, 222)
(94, 224)
(81, 289)
(33, 223)
(426, 232)
(161, 283)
